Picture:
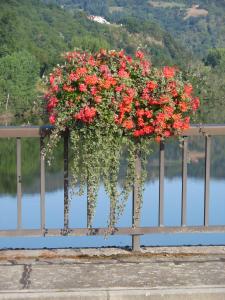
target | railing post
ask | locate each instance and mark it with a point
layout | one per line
(161, 182)
(19, 182)
(184, 182)
(42, 184)
(207, 179)
(66, 182)
(136, 203)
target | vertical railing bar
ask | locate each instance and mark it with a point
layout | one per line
(161, 182)
(136, 203)
(42, 184)
(19, 182)
(207, 179)
(66, 181)
(184, 181)
(88, 208)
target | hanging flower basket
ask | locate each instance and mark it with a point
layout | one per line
(113, 104)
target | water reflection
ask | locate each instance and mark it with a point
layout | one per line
(54, 216)
(54, 197)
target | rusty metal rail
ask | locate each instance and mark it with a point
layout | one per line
(135, 231)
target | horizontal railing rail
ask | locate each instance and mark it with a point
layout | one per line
(42, 131)
(19, 132)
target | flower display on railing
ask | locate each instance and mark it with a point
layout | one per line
(112, 103)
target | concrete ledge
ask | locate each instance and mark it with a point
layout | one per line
(79, 253)
(165, 293)
(157, 273)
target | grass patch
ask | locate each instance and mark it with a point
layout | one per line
(195, 11)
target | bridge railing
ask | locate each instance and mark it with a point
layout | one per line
(207, 131)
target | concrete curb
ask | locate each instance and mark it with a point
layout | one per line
(165, 293)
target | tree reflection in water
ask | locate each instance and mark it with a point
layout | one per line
(54, 173)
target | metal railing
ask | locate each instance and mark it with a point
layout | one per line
(136, 230)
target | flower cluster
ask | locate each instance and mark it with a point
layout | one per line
(112, 103)
(111, 86)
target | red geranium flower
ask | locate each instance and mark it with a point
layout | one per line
(169, 72)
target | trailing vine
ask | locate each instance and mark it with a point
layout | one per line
(113, 104)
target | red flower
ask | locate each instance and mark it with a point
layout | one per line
(158, 138)
(98, 99)
(91, 79)
(145, 67)
(153, 101)
(81, 71)
(140, 112)
(52, 103)
(119, 88)
(55, 88)
(123, 64)
(52, 79)
(73, 76)
(164, 99)
(94, 90)
(127, 100)
(89, 112)
(92, 61)
(149, 114)
(123, 74)
(108, 82)
(186, 123)
(183, 106)
(148, 129)
(169, 72)
(141, 122)
(82, 88)
(178, 124)
(121, 53)
(195, 103)
(136, 133)
(188, 89)
(104, 69)
(52, 119)
(129, 58)
(174, 93)
(128, 124)
(160, 117)
(139, 54)
(86, 114)
(167, 133)
(68, 88)
(112, 80)
(145, 94)
(176, 117)
(151, 85)
(168, 111)
(139, 132)
(131, 92)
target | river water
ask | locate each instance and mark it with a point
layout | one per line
(149, 217)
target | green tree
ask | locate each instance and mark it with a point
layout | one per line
(216, 57)
(18, 77)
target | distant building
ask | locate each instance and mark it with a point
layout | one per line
(98, 19)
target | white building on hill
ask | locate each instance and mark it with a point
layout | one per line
(98, 19)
